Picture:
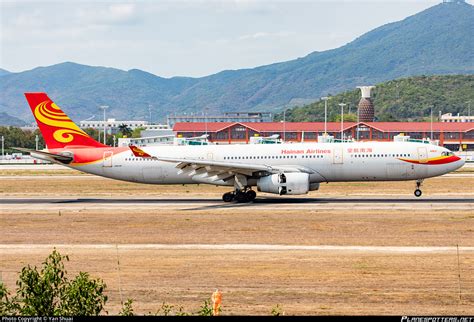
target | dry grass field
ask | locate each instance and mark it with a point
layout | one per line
(252, 281)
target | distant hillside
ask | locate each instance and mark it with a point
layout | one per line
(438, 40)
(81, 89)
(404, 99)
(6, 119)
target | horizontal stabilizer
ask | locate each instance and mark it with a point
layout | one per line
(57, 158)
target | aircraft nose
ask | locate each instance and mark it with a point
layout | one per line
(459, 163)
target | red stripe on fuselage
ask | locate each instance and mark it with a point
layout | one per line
(445, 160)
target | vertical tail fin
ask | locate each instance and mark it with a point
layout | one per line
(57, 128)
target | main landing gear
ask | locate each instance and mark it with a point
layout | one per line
(245, 195)
(418, 192)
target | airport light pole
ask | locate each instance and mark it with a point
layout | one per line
(205, 119)
(149, 111)
(36, 140)
(325, 99)
(431, 123)
(342, 120)
(104, 107)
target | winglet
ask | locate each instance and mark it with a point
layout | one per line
(139, 152)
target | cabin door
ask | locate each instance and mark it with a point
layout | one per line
(108, 159)
(338, 156)
(422, 154)
(421, 169)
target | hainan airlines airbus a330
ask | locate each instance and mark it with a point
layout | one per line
(283, 169)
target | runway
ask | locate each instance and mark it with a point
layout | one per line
(263, 203)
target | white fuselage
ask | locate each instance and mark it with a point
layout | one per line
(355, 161)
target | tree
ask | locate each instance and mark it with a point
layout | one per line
(125, 130)
(48, 292)
(137, 132)
(127, 308)
(347, 118)
(7, 306)
(16, 137)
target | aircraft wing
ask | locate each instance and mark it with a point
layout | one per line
(220, 170)
(57, 158)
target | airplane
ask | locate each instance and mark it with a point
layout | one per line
(282, 169)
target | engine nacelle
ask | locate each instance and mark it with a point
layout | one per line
(285, 183)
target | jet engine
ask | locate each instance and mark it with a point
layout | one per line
(285, 183)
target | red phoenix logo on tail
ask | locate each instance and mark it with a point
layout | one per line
(57, 128)
(50, 114)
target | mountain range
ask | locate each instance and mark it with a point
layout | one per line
(404, 99)
(436, 41)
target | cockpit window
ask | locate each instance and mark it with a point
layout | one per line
(447, 153)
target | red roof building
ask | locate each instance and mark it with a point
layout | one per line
(448, 134)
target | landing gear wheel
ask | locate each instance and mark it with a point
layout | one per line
(418, 193)
(241, 196)
(250, 195)
(228, 196)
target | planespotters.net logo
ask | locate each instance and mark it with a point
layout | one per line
(437, 319)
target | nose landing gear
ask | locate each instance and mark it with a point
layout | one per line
(418, 192)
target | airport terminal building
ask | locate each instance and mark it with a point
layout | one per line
(450, 135)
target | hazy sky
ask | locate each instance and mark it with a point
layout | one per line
(186, 38)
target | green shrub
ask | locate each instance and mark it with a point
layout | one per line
(48, 292)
